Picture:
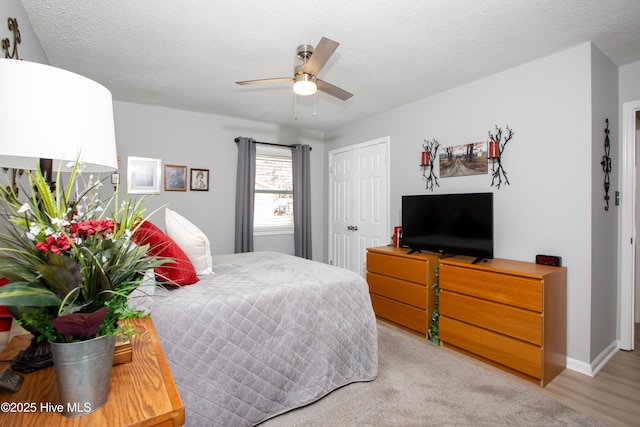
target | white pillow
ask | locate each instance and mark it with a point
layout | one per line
(191, 240)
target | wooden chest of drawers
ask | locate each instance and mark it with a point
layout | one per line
(510, 314)
(401, 286)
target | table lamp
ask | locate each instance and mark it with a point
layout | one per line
(51, 118)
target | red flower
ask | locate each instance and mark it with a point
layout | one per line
(53, 244)
(85, 229)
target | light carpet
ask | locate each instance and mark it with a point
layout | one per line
(421, 384)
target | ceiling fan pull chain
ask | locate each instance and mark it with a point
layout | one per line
(295, 106)
(314, 103)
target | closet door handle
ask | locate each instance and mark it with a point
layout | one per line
(352, 228)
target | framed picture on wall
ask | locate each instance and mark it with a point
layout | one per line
(175, 178)
(462, 160)
(199, 179)
(143, 175)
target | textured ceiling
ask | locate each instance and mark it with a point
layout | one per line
(188, 54)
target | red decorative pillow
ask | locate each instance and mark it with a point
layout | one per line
(180, 272)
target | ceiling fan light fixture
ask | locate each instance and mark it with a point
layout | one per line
(304, 84)
(309, 64)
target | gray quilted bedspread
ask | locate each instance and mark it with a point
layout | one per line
(267, 333)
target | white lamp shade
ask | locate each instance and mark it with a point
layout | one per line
(50, 113)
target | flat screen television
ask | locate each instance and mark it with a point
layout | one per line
(455, 224)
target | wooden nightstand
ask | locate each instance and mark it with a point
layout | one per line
(143, 392)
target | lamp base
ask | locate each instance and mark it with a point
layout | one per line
(34, 357)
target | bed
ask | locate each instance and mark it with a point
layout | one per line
(266, 333)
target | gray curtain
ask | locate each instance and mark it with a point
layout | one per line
(301, 200)
(245, 189)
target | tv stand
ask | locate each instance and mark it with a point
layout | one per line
(478, 260)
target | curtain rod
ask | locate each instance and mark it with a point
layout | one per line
(273, 144)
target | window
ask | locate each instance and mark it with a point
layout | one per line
(273, 211)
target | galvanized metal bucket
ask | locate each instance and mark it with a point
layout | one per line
(83, 374)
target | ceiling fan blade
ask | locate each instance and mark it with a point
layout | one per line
(333, 90)
(276, 79)
(320, 56)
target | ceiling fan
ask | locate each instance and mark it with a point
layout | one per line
(305, 80)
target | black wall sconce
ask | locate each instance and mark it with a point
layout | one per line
(606, 165)
(428, 157)
(496, 148)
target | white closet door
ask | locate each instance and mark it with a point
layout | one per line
(359, 203)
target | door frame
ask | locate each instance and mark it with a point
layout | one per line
(627, 238)
(383, 140)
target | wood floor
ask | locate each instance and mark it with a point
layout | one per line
(612, 396)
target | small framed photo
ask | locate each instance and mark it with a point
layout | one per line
(199, 179)
(143, 175)
(175, 178)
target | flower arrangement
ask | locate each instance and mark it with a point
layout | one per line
(70, 259)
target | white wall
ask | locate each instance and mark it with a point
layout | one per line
(604, 268)
(629, 78)
(547, 207)
(206, 141)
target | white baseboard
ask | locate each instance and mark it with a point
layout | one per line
(592, 369)
(579, 366)
(604, 357)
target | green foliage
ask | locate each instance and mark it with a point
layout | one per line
(435, 315)
(68, 254)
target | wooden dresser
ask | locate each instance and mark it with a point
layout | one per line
(142, 393)
(401, 286)
(510, 314)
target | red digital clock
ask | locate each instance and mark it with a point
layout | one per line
(553, 260)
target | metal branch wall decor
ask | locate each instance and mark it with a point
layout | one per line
(606, 165)
(496, 148)
(17, 39)
(428, 156)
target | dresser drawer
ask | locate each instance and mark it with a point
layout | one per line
(510, 352)
(513, 290)
(399, 290)
(412, 270)
(505, 319)
(399, 313)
